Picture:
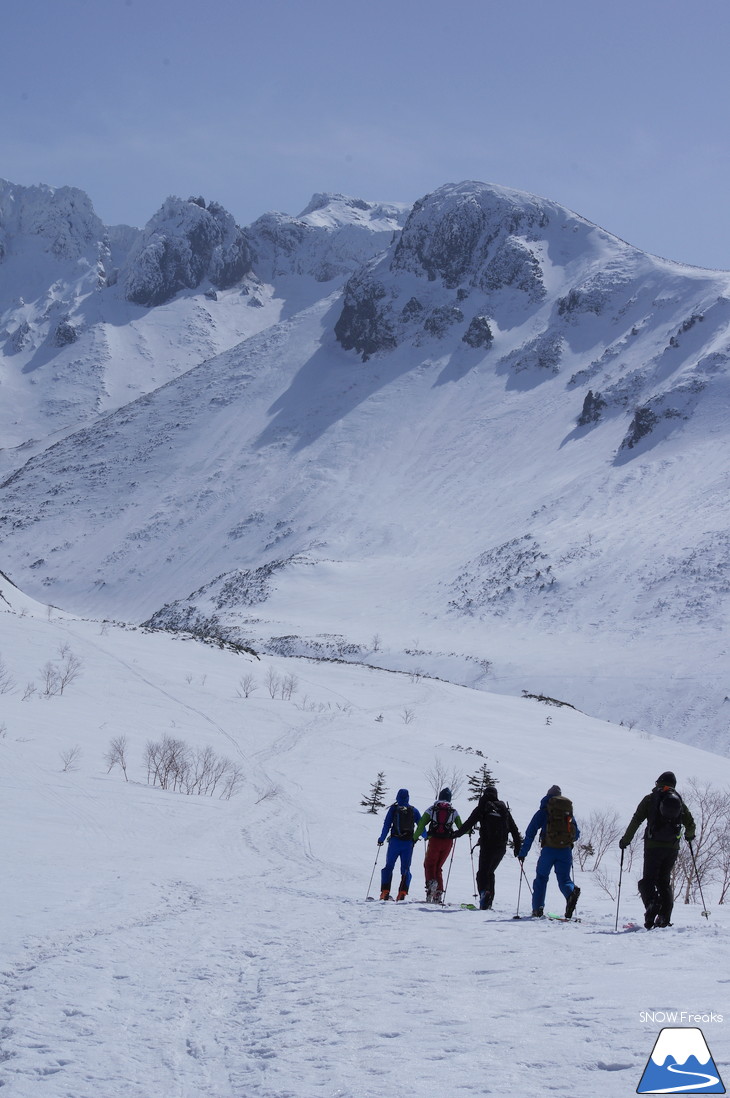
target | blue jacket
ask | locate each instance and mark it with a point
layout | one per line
(402, 798)
(539, 823)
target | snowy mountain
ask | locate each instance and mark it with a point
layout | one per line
(498, 455)
(93, 316)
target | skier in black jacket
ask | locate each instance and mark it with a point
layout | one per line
(495, 825)
(666, 814)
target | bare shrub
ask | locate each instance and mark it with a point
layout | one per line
(273, 682)
(269, 794)
(116, 755)
(605, 883)
(50, 685)
(408, 716)
(439, 777)
(7, 682)
(70, 759)
(710, 807)
(56, 676)
(599, 833)
(289, 686)
(173, 765)
(246, 685)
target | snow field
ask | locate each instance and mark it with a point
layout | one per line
(157, 944)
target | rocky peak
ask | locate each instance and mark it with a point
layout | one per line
(185, 243)
(332, 237)
(468, 252)
(62, 218)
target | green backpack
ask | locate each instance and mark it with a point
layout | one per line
(560, 830)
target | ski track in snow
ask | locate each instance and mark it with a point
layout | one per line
(211, 997)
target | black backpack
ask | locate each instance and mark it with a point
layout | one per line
(493, 829)
(404, 822)
(665, 820)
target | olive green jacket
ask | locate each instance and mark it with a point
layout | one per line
(642, 814)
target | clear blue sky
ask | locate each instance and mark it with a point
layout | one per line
(618, 110)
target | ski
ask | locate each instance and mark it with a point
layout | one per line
(632, 926)
(562, 918)
(469, 907)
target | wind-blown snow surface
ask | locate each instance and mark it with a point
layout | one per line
(158, 944)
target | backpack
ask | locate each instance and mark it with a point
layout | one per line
(442, 817)
(493, 829)
(404, 822)
(560, 830)
(665, 821)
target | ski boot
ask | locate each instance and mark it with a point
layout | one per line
(402, 894)
(572, 902)
(385, 894)
(650, 915)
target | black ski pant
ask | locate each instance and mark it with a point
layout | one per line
(655, 886)
(490, 855)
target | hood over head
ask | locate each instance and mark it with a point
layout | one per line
(402, 797)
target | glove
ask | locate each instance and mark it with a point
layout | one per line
(380, 842)
(517, 853)
(622, 844)
(690, 838)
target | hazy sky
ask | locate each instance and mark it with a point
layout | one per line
(618, 110)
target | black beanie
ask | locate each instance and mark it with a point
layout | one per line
(667, 778)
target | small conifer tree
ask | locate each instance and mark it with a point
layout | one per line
(374, 799)
(478, 782)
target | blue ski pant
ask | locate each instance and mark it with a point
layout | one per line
(561, 860)
(397, 848)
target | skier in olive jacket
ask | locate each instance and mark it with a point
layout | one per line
(665, 813)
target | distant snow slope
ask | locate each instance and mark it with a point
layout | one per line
(501, 450)
(160, 944)
(91, 317)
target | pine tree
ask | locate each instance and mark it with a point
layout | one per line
(374, 799)
(478, 782)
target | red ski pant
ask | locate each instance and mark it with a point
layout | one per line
(437, 851)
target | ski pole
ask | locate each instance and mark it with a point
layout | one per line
(451, 862)
(519, 890)
(699, 883)
(473, 875)
(373, 872)
(618, 896)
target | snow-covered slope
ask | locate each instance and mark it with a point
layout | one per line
(526, 474)
(158, 944)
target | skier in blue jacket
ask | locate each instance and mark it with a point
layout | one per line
(400, 821)
(558, 831)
